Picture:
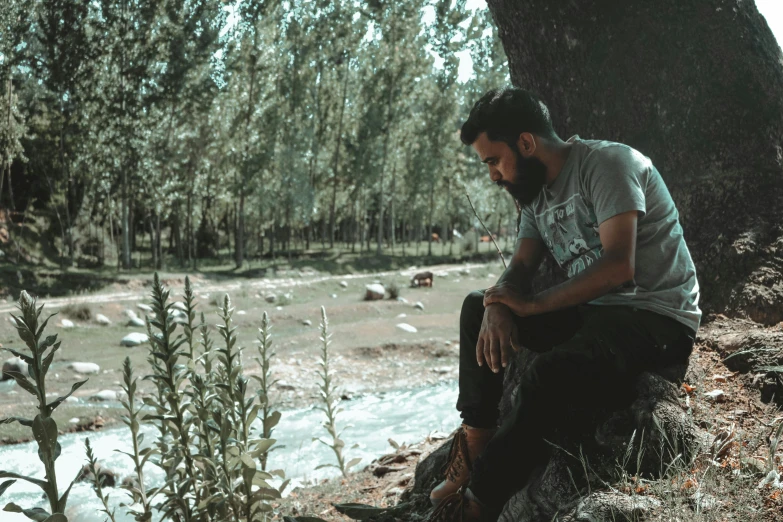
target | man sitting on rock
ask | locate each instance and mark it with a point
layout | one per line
(630, 303)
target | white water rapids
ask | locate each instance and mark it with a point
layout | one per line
(405, 416)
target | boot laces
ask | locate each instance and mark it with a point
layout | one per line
(458, 456)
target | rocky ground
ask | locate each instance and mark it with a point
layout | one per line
(732, 390)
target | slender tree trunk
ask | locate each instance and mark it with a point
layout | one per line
(336, 157)
(153, 245)
(6, 165)
(239, 240)
(391, 206)
(429, 217)
(124, 224)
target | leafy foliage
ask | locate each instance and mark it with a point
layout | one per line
(44, 428)
(330, 404)
(165, 120)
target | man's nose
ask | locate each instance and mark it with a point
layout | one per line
(495, 175)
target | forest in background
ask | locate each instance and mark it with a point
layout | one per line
(183, 128)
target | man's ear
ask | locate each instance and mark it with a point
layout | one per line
(527, 144)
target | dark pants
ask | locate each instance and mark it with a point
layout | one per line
(587, 354)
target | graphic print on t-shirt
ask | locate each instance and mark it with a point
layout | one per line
(570, 231)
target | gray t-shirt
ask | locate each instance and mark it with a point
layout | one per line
(602, 179)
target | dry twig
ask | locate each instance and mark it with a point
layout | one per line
(491, 237)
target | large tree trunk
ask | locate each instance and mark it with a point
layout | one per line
(698, 89)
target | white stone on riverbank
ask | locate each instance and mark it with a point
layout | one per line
(407, 328)
(102, 320)
(66, 323)
(137, 322)
(86, 368)
(104, 395)
(374, 292)
(14, 364)
(134, 339)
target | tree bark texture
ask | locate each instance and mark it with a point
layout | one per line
(696, 86)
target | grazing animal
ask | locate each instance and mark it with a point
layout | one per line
(486, 239)
(435, 238)
(422, 279)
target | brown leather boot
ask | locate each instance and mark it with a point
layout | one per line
(461, 506)
(466, 445)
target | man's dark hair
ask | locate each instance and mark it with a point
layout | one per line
(505, 114)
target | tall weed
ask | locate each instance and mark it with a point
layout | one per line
(44, 428)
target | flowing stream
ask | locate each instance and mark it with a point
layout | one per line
(405, 416)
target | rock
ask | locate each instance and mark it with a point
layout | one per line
(86, 368)
(402, 300)
(418, 305)
(464, 271)
(553, 492)
(66, 323)
(307, 322)
(14, 364)
(374, 292)
(134, 339)
(137, 322)
(333, 296)
(102, 319)
(605, 505)
(130, 482)
(179, 305)
(702, 502)
(344, 284)
(145, 307)
(270, 298)
(241, 312)
(106, 477)
(716, 395)
(74, 420)
(278, 308)
(130, 314)
(104, 395)
(401, 316)
(407, 328)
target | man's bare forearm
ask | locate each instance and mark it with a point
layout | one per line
(518, 275)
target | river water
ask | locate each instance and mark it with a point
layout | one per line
(405, 416)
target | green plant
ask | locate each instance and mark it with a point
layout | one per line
(44, 428)
(239, 450)
(330, 400)
(138, 456)
(394, 290)
(181, 488)
(190, 311)
(269, 418)
(92, 465)
(78, 312)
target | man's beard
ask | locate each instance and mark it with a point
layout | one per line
(531, 175)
